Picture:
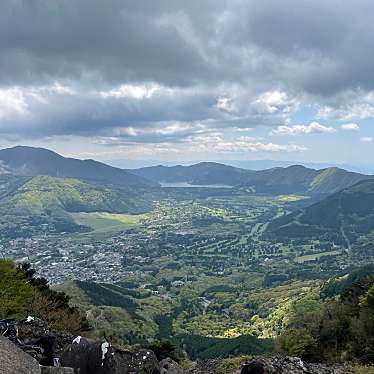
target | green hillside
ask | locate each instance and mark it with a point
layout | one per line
(127, 315)
(342, 217)
(333, 180)
(48, 201)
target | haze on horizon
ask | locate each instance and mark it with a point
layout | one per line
(176, 81)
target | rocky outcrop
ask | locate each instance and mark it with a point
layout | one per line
(14, 361)
(101, 358)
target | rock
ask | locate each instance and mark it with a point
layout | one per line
(32, 329)
(288, 365)
(206, 367)
(140, 361)
(101, 358)
(14, 361)
(169, 366)
(56, 370)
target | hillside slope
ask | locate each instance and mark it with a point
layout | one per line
(29, 161)
(45, 200)
(342, 216)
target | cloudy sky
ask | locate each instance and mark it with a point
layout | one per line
(189, 80)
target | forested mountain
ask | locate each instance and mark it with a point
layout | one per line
(29, 161)
(344, 215)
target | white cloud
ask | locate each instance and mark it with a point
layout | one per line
(366, 139)
(226, 104)
(312, 128)
(132, 91)
(12, 103)
(274, 101)
(217, 144)
(350, 127)
(353, 106)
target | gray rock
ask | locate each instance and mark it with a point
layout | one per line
(56, 370)
(14, 361)
(289, 365)
(169, 366)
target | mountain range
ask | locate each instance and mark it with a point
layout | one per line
(38, 186)
(30, 162)
(292, 179)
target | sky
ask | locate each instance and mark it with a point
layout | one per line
(175, 80)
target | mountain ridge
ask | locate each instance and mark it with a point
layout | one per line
(30, 161)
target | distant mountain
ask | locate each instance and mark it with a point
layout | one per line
(342, 216)
(203, 173)
(292, 179)
(29, 161)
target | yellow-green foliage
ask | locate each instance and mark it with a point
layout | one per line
(229, 365)
(15, 293)
(363, 369)
(278, 306)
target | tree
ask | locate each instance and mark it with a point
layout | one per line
(15, 293)
(165, 349)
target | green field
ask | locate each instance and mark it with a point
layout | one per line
(316, 256)
(108, 222)
(291, 198)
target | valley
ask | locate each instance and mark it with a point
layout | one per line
(187, 267)
(191, 264)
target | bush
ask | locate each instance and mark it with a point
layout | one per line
(296, 342)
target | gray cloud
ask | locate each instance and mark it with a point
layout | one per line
(215, 63)
(181, 43)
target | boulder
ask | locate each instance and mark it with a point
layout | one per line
(169, 366)
(101, 358)
(14, 361)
